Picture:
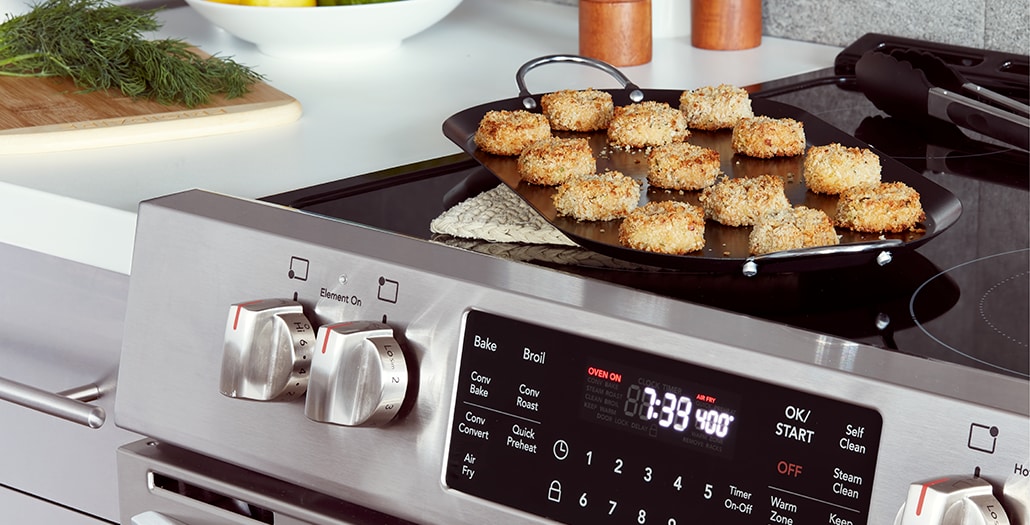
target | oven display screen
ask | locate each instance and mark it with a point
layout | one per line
(663, 408)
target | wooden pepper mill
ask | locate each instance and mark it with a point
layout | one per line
(615, 31)
(726, 24)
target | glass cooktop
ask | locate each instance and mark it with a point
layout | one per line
(962, 297)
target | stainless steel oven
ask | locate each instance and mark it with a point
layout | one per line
(321, 356)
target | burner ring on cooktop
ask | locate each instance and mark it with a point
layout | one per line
(989, 324)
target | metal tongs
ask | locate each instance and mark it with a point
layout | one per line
(915, 85)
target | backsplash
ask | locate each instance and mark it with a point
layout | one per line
(1002, 25)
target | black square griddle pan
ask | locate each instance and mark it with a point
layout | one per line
(726, 248)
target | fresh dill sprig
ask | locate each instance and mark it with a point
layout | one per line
(100, 45)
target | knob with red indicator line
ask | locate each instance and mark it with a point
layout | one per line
(358, 375)
(952, 500)
(267, 350)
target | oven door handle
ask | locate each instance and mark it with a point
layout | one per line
(71, 405)
(154, 518)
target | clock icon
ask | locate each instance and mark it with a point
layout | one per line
(561, 449)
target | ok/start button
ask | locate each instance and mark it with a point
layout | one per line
(794, 424)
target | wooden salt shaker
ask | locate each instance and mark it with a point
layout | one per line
(615, 31)
(726, 24)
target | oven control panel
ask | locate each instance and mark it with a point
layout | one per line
(586, 431)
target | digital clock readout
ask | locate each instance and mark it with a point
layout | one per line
(672, 410)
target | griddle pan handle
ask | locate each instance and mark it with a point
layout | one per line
(635, 94)
(750, 268)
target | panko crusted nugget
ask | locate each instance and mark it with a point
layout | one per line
(740, 201)
(553, 160)
(645, 124)
(682, 166)
(886, 207)
(715, 107)
(790, 229)
(834, 168)
(597, 196)
(504, 132)
(582, 110)
(670, 227)
(767, 137)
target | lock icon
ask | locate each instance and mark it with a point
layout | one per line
(554, 493)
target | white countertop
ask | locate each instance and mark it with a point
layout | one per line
(360, 115)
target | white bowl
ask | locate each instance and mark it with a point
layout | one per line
(329, 32)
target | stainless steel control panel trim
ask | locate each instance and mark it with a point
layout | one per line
(198, 252)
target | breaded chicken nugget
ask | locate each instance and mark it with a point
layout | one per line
(834, 168)
(740, 201)
(886, 207)
(503, 132)
(682, 166)
(645, 124)
(715, 107)
(766, 137)
(670, 227)
(553, 160)
(583, 110)
(598, 196)
(790, 229)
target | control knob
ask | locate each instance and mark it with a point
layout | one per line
(358, 375)
(952, 500)
(267, 351)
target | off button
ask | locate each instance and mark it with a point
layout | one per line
(786, 468)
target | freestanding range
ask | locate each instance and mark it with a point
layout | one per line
(323, 358)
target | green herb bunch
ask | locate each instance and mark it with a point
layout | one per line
(100, 46)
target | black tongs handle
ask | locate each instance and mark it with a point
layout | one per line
(978, 117)
(902, 89)
(635, 94)
(941, 75)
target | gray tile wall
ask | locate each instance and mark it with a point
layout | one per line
(1002, 25)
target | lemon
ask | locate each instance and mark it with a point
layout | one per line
(280, 3)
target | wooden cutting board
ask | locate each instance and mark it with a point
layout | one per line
(50, 114)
